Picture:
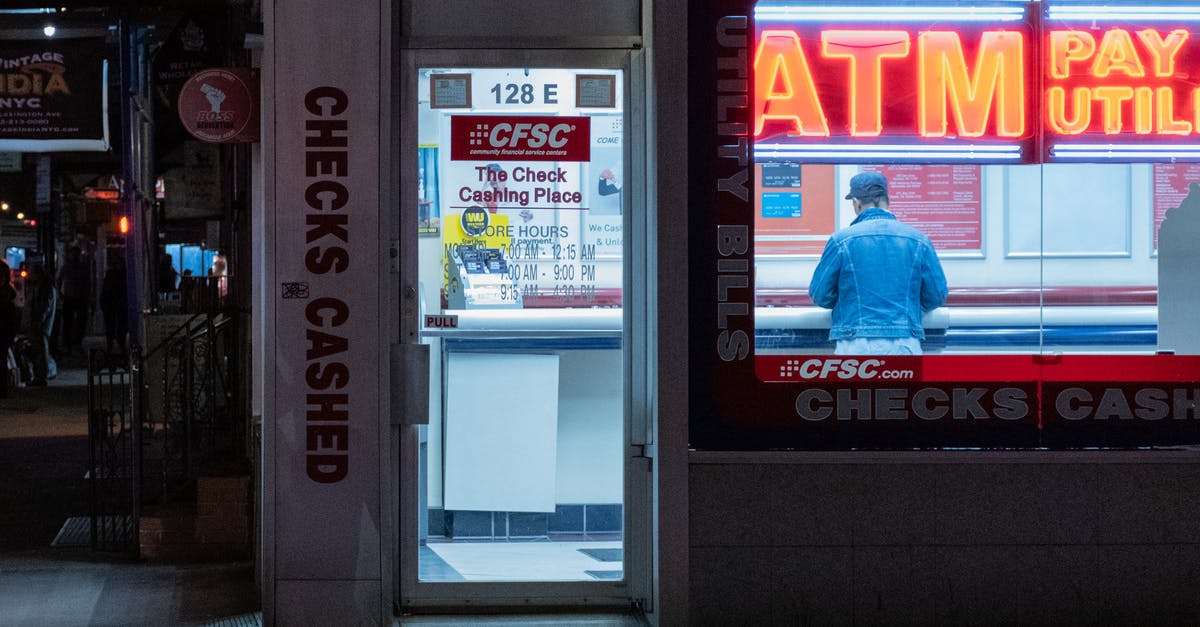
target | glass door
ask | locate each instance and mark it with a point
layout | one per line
(515, 492)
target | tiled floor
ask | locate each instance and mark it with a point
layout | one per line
(519, 561)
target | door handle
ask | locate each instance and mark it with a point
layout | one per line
(409, 383)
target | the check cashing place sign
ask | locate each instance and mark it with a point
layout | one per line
(983, 82)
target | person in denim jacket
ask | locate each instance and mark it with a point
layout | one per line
(878, 276)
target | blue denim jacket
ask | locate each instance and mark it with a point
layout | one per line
(878, 275)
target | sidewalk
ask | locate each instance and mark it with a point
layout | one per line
(43, 462)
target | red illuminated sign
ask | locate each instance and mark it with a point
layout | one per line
(520, 138)
(987, 97)
(833, 90)
(1119, 91)
(1101, 88)
(1116, 85)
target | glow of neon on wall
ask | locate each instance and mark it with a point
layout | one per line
(785, 89)
(883, 14)
(992, 153)
(1124, 13)
(1124, 151)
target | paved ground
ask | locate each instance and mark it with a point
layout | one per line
(43, 462)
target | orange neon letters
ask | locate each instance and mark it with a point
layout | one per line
(1117, 54)
(1152, 107)
(1081, 99)
(779, 52)
(999, 77)
(1110, 98)
(1143, 110)
(1164, 51)
(1084, 93)
(866, 51)
(1067, 46)
(1167, 122)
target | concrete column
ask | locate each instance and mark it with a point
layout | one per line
(326, 527)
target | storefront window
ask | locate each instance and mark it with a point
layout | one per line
(1044, 151)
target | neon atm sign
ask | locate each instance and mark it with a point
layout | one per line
(944, 82)
(976, 83)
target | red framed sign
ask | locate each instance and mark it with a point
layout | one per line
(1117, 84)
(880, 83)
(877, 84)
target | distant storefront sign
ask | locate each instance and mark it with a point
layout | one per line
(53, 95)
(221, 105)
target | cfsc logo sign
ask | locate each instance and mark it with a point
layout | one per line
(520, 138)
(870, 369)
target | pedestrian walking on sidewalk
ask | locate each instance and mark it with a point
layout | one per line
(42, 305)
(113, 305)
(10, 319)
(75, 285)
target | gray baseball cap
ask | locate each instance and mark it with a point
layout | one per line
(867, 185)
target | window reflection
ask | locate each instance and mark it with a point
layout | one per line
(1038, 258)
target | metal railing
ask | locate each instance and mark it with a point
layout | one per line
(115, 453)
(183, 394)
(193, 420)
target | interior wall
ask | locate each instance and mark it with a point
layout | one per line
(922, 539)
(1020, 212)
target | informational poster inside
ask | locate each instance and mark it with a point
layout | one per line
(530, 192)
(604, 187)
(796, 207)
(1171, 184)
(519, 178)
(943, 201)
(54, 95)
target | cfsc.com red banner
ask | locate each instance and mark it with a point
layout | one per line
(520, 138)
(986, 400)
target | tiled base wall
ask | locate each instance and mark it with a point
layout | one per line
(566, 519)
(1009, 542)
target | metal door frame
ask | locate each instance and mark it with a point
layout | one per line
(636, 589)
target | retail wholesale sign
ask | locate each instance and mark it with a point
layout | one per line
(53, 95)
(323, 426)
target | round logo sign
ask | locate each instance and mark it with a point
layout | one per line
(216, 105)
(474, 221)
